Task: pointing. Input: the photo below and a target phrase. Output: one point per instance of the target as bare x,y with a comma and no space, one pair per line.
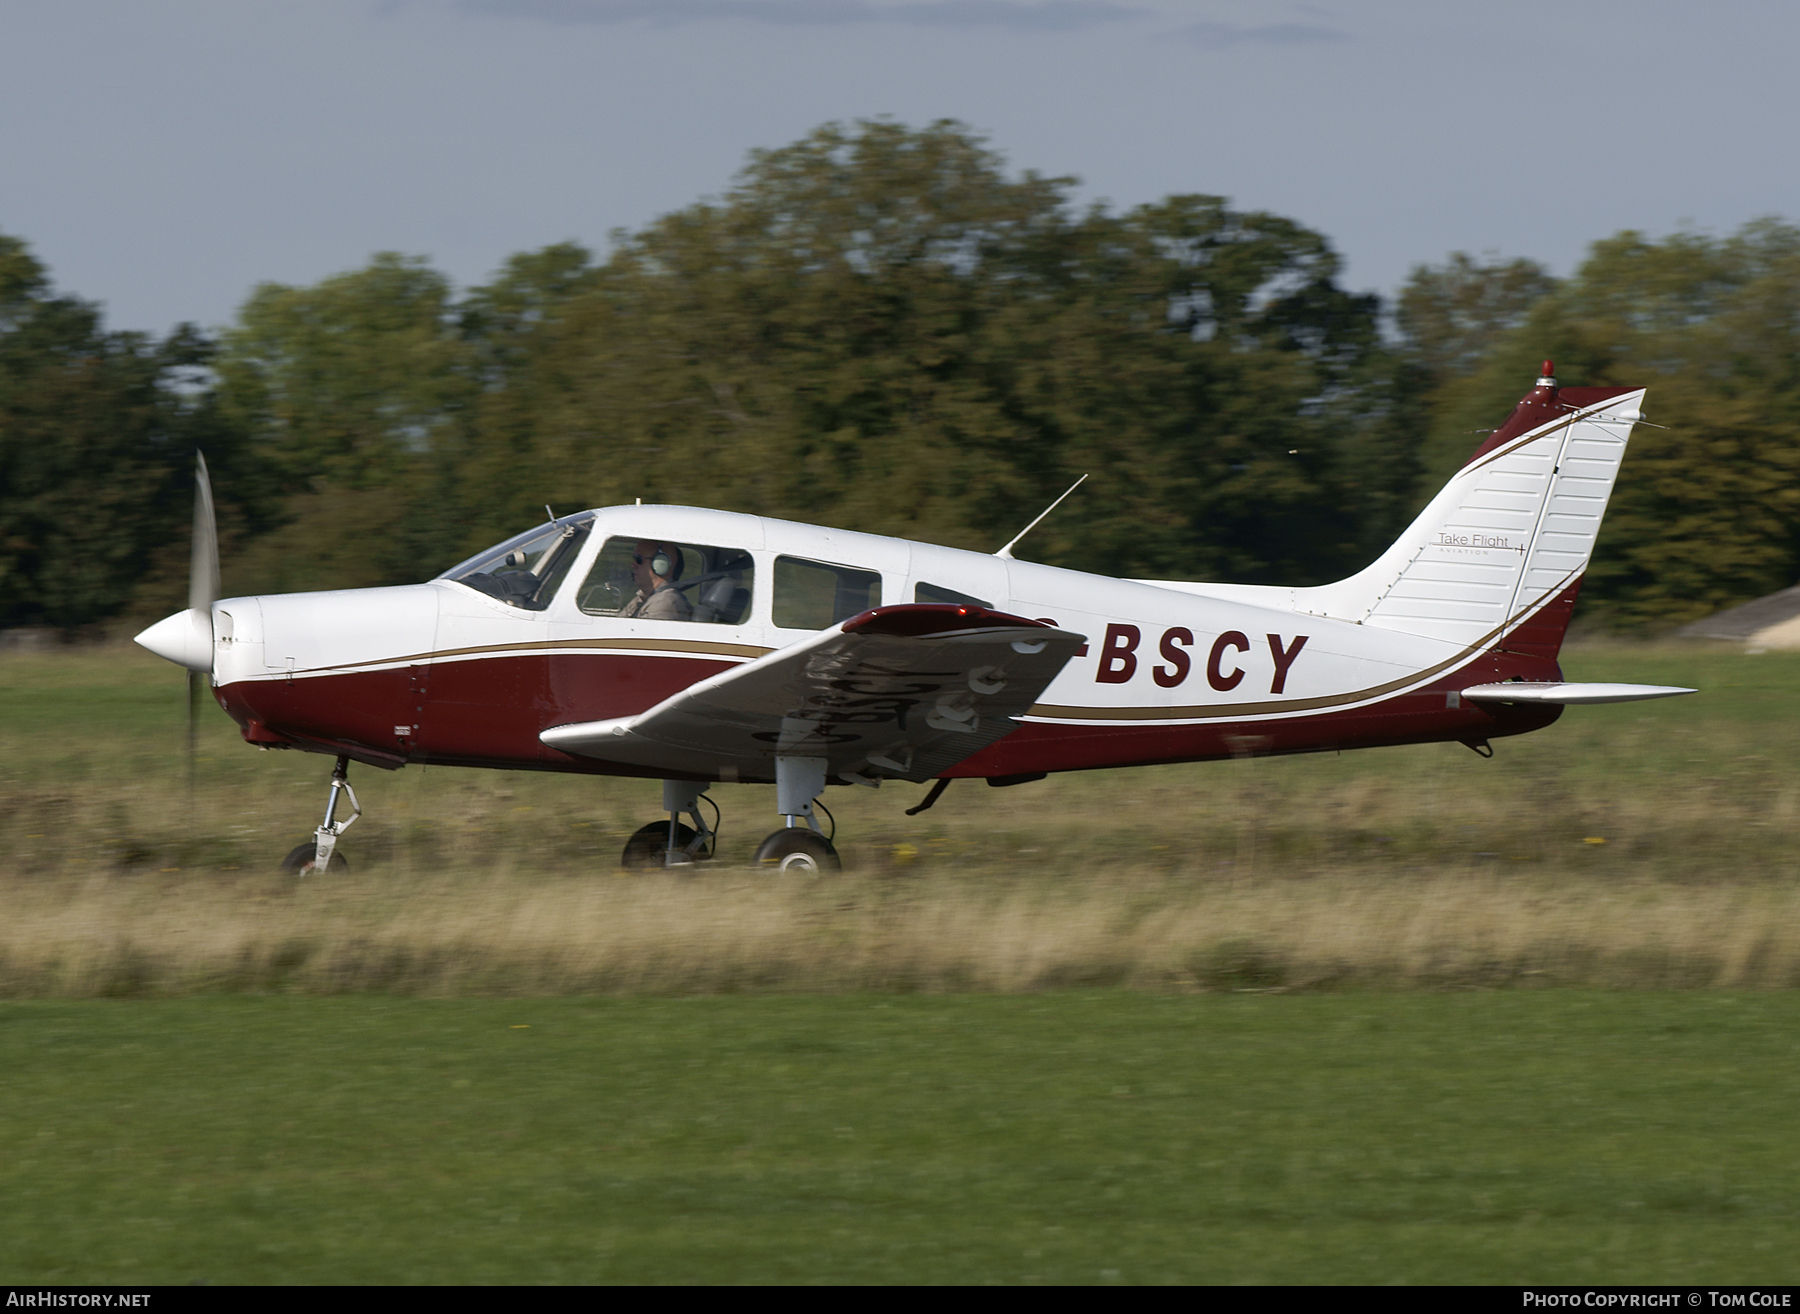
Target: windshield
526,570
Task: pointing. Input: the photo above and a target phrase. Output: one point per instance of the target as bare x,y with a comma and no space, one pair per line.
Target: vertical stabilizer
1497,557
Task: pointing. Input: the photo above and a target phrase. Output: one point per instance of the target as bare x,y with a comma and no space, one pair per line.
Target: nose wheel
304,860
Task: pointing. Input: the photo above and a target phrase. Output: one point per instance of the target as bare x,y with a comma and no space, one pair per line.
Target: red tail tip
1549,369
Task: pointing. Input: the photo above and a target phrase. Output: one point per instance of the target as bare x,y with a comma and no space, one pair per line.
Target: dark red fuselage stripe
473,713
489,713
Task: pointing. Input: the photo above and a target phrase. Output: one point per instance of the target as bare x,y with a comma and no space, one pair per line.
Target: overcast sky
165,156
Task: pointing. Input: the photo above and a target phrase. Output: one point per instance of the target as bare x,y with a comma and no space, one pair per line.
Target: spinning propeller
186,638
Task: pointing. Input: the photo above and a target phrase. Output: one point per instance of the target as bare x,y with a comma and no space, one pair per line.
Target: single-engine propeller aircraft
702,646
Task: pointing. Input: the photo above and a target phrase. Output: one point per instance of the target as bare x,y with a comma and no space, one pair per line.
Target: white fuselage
1159,660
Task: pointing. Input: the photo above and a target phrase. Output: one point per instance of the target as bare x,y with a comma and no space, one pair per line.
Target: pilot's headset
666,563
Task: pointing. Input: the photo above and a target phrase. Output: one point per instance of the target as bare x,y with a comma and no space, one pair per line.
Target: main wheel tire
302,861
798,850
649,846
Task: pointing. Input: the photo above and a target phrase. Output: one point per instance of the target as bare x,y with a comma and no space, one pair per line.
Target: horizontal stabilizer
1571,695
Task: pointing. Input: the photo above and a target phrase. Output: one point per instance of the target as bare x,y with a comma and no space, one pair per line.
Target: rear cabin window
646,579
923,592
811,595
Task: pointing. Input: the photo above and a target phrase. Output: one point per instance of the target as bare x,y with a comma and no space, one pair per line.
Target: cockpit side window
811,595
527,569
658,579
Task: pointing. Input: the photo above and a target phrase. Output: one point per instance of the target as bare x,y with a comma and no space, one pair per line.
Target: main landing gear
798,783
320,852
796,847
670,843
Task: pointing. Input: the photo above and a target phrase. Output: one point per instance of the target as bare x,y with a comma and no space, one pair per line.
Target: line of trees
879,328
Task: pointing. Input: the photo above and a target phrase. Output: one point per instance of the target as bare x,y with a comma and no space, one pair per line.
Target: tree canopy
1707,507
875,328
97,432
883,328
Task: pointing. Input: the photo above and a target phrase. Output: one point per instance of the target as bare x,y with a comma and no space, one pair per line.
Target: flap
903,692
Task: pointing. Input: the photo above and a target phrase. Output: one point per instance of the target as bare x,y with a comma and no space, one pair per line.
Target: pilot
654,568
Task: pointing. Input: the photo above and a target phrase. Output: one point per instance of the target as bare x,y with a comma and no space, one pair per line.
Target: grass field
1542,1136
1397,1016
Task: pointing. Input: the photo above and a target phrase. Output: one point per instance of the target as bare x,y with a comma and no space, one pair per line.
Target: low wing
1546,691
901,692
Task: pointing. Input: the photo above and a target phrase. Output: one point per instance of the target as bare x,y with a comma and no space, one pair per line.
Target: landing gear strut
798,782
670,843
320,852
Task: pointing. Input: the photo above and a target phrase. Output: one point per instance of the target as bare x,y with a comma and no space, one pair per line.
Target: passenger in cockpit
655,568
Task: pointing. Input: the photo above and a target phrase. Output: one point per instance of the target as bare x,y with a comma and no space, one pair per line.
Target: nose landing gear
320,852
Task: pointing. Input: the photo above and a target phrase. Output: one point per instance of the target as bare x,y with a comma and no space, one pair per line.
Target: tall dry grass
517,932
1651,846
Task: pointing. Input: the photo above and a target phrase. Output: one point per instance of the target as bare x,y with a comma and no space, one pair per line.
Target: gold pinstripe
629,645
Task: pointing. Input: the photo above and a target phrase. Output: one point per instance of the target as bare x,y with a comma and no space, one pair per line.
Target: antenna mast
1005,553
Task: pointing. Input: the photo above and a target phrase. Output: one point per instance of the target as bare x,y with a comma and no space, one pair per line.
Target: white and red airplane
704,646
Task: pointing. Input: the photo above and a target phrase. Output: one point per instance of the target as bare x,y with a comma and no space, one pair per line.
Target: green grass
1077,1137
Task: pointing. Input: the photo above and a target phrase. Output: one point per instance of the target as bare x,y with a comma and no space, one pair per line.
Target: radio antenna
1005,553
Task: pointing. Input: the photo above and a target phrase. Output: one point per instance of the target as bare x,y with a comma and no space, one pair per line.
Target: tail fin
1497,557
